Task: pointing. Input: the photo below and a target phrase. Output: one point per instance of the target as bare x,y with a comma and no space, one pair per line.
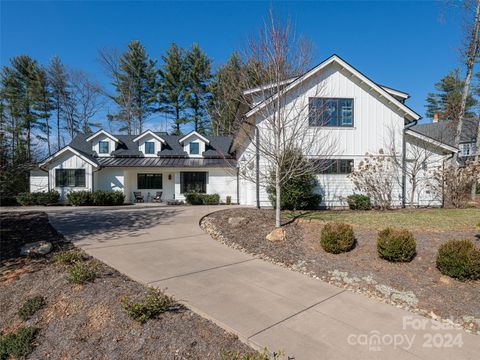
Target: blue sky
405,45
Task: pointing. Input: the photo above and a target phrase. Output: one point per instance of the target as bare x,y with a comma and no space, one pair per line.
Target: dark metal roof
444,131
216,154
165,162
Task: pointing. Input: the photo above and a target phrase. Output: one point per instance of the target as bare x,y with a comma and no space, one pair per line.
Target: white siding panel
38,181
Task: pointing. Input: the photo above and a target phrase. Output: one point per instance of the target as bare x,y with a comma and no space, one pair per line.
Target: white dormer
103,143
149,143
194,144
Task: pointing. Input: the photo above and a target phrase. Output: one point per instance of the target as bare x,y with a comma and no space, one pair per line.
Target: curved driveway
264,304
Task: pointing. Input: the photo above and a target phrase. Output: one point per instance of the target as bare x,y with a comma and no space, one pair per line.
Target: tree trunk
278,194
472,54
58,128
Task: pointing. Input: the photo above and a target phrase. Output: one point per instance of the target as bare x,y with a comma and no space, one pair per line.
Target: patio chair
158,197
137,195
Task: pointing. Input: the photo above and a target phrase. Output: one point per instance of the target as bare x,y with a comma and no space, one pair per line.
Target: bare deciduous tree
275,56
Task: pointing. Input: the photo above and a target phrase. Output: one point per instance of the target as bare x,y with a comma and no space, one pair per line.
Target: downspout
404,162
257,165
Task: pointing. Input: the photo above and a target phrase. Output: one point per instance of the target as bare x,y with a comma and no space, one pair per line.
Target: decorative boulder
38,248
236,221
277,234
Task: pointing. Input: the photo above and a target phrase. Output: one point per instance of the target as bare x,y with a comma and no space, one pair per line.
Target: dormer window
103,147
194,148
149,147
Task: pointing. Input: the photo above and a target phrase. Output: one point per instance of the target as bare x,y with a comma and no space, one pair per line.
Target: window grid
193,182
194,148
103,147
149,147
70,178
333,112
336,166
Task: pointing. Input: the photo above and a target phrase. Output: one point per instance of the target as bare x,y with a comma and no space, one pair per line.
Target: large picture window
103,147
193,182
69,177
330,112
149,147
336,166
149,181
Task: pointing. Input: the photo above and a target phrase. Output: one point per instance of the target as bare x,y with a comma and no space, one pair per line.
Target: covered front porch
173,183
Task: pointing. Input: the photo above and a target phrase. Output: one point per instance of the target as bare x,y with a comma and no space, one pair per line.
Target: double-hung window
193,182
149,147
334,112
69,177
103,147
149,181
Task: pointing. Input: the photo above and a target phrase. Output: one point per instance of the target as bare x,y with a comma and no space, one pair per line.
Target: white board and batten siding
38,180
69,160
376,123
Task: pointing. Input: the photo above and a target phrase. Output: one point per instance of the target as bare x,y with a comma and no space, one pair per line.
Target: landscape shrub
296,194
30,307
459,259
81,273
68,257
359,202
38,198
19,344
154,304
337,237
97,198
80,198
228,200
26,199
48,198
194,198
396,245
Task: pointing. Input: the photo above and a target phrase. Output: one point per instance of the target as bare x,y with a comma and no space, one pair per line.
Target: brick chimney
435,118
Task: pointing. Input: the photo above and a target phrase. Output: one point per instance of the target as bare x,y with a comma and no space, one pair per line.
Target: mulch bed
87,321
417,285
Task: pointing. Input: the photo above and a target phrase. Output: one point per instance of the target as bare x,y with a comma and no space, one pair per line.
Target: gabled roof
102,132
444,131
194,133
344,65
77,152
151,133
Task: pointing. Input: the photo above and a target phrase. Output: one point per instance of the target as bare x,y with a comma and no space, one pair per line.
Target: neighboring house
366,117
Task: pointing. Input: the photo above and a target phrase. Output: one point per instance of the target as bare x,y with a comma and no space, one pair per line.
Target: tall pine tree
172,86
59,82
446,101
135,85
198,78
43,105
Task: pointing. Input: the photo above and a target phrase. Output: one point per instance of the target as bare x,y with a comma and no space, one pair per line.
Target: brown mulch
445,297
87,321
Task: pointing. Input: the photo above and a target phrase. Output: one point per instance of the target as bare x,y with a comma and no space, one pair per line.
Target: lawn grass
413,219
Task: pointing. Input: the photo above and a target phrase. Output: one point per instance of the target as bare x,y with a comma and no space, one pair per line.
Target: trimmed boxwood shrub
396,245
359,202
194,198
80,198
38,198
459,259
337,237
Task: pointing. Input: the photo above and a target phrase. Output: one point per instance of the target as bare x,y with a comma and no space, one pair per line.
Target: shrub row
98,198
194,198
459,259
38,198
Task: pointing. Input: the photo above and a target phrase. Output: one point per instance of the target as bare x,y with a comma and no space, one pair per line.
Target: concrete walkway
264,304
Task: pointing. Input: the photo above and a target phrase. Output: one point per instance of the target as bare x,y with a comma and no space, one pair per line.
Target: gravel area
87,321
417,286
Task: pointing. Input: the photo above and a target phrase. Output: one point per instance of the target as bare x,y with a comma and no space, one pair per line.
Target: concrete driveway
264,304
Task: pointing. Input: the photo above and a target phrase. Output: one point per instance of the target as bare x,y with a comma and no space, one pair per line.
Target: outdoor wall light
169,176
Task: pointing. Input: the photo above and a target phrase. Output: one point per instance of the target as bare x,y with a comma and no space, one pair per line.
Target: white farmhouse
363,118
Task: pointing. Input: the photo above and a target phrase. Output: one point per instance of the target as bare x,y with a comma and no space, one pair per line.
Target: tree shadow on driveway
102,226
